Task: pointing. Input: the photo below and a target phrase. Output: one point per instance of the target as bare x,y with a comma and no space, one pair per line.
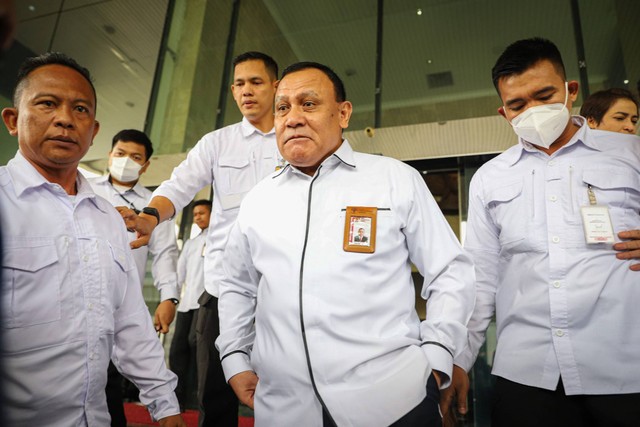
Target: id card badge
360,229
597,224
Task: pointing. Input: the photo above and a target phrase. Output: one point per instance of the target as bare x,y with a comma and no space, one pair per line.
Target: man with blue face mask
129,158
545,221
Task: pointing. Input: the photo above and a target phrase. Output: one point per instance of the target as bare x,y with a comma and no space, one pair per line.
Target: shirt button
552,162
559,333
553,198
90,306
556,284
85,258
90,356
555,239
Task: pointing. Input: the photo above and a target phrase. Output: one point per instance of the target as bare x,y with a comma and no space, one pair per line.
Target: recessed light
419,12
626,82
32,7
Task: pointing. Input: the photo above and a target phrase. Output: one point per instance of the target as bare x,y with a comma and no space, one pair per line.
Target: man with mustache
71,295
316,329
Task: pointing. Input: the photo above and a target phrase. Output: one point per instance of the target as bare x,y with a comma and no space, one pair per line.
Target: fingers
461,402
250,403
129,216
446,396
164,316
629,234
156,322
139,242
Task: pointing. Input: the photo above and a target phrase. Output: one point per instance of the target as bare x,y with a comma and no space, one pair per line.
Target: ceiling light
626,82
117,53
32,7
419,12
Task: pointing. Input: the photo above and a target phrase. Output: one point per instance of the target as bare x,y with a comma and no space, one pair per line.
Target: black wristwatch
174,301
153,212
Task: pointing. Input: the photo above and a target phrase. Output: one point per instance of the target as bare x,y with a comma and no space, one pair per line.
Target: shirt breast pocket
512,213
236,175
620,191
31,280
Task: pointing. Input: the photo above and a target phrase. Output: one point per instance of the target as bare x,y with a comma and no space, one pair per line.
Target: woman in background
614,109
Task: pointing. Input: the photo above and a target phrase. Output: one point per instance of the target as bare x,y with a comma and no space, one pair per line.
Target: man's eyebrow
301,95
544,90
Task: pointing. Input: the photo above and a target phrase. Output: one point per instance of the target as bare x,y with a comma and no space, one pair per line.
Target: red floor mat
138,416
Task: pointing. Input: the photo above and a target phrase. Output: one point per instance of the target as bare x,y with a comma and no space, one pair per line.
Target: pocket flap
505,193
29,258
610,179
121,258
234,162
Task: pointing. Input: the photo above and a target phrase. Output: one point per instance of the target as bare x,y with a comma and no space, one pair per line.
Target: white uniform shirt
232,159
190,271
563,308
285,267
70,301
162,245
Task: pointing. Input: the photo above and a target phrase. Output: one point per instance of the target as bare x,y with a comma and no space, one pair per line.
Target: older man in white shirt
316,328
71,296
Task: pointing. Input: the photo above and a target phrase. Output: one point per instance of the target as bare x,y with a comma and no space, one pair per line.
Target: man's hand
172,421
629,249
164,315
143,225
244,386
458,389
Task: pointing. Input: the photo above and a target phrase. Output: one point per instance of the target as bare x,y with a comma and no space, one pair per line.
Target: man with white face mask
545,221
129,158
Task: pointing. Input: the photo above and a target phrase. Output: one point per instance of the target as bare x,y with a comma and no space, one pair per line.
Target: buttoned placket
558,175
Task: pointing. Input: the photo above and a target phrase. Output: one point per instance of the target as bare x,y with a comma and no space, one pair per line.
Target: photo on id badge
360,229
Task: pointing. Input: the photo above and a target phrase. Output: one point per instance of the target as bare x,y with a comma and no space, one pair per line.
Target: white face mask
543,124
124,169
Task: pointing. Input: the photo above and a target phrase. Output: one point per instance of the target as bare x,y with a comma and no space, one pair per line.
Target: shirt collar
26,177
248,129
104,180
582,135
342,156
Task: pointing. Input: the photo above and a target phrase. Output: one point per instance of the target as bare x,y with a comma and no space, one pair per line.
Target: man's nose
64,117
295,118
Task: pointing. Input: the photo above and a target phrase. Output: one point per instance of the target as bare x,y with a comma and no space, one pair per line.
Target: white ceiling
118,40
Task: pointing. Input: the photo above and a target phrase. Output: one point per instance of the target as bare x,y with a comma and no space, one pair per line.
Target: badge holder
597,221
360,229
